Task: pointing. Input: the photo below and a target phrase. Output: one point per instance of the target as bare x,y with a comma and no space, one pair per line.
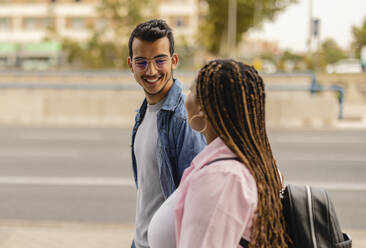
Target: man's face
152,67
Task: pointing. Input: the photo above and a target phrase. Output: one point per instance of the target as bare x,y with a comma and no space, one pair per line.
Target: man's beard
165,84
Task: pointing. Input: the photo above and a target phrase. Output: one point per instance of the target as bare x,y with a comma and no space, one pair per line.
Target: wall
116,107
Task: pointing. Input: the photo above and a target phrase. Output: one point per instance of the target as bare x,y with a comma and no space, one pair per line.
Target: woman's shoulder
221,179
230,169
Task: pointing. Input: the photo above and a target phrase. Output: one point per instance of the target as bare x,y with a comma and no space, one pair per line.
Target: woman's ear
201,113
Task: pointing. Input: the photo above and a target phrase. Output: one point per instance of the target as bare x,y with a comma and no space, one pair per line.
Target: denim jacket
177,143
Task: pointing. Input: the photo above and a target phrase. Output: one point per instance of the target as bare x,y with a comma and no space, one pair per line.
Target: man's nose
151,70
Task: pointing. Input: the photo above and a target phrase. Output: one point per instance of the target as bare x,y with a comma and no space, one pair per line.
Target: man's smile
152,80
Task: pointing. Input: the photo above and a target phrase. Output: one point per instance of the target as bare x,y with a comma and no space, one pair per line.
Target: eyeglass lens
159,63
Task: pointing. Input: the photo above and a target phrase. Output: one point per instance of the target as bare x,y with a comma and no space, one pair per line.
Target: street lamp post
310,26
232,19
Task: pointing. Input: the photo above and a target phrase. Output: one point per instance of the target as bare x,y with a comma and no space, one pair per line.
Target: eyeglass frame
151,60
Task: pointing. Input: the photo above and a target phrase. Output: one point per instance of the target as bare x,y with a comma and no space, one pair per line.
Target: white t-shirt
161,232
149,193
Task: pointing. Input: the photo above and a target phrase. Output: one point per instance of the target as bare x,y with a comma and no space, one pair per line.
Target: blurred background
68,100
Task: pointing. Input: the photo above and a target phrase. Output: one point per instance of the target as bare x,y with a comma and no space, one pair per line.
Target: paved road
84,175
333,159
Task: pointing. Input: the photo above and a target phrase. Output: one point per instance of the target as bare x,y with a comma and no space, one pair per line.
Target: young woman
231,190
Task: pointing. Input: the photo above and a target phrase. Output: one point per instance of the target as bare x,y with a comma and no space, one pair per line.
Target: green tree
289,55
359,38
290,59
331,52
107,46
250,13
269,56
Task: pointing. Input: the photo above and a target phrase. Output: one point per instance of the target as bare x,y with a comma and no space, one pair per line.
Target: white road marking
338,186
319,139
129,182
67,181
330,158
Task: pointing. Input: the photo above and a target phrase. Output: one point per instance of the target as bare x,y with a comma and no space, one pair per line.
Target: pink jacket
216,203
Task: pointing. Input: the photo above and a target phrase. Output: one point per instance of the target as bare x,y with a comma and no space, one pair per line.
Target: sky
291,27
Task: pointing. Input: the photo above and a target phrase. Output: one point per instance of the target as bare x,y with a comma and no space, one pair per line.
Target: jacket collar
171,100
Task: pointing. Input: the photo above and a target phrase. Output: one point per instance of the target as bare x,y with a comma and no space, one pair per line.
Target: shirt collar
216,149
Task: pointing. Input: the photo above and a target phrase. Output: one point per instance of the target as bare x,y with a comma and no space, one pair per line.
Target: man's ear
174,60
129,62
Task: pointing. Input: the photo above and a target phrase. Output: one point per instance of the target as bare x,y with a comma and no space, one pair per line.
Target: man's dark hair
151,31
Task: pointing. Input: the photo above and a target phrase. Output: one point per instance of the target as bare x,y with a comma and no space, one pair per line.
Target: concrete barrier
117,107
68,107
110,106
301,109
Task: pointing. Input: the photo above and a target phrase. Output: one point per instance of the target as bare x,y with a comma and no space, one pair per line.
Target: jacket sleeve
217,210
188,144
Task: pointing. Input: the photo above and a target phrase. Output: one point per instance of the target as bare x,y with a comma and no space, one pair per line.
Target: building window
30,23
33,23
4,23
179,21
44,23
76,23
101,24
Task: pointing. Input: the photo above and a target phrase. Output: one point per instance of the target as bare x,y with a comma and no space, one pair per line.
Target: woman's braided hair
233,98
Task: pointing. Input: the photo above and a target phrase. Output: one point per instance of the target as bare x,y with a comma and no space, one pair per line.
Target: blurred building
251,49
25,25
182,16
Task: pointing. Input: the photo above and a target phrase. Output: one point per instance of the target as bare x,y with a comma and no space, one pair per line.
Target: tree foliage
331,52
290,61
289,55
250,13
107,46
359,38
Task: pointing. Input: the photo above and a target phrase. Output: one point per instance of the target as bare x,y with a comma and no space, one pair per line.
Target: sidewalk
28,234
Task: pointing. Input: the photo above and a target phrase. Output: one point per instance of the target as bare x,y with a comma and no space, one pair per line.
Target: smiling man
163,144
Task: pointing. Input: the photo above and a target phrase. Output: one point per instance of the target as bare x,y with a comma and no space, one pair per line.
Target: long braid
233,98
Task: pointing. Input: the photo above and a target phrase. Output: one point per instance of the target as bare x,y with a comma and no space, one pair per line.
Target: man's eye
141,62
160,61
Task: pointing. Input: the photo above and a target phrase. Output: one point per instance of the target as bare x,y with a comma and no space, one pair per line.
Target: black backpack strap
220,159
243,243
